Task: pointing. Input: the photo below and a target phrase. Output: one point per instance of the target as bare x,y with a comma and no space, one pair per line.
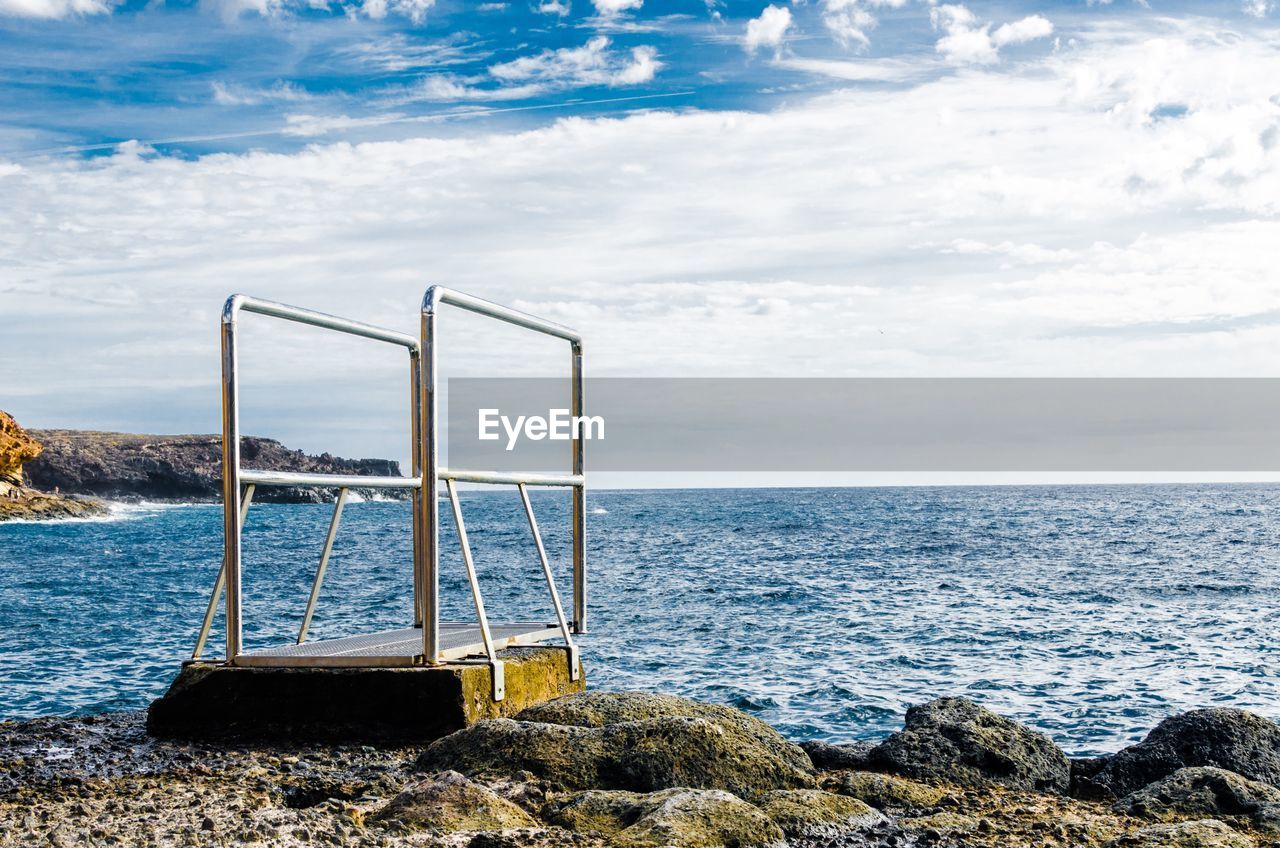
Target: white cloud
54,9
768,30
848,21
1030,220
1257,8
1026,29
225,94
591,64
966,42
866,70
447,88
414,10
614,7
553,7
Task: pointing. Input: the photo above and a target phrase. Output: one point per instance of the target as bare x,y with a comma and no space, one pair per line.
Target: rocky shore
635,770
129,466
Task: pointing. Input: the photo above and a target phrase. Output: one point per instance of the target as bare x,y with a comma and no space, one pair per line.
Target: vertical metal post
429,577
231,475
221,582
579,501
415,497
324,563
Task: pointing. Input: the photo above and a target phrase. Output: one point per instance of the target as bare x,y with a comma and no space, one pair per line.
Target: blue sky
242,74
828,188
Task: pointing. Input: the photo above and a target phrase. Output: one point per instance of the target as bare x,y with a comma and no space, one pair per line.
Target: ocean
1088,612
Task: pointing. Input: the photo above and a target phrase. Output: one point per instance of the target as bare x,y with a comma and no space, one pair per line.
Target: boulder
811,813
1206,833
570,757
17,448
955,740
689,818
1224,738
1207,792
448,802
828,757
700,753
642,756
599,709
883,791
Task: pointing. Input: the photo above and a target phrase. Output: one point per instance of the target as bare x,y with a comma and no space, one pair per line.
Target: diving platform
399,648
249,684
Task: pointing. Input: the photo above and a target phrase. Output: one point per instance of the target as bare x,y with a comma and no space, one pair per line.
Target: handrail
426,476
232,473
297,314
333,481
480,306
511,478
432,473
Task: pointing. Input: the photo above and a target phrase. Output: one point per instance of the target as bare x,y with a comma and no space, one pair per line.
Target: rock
1206,833
569,757
689,818
828,757
1225,738
29,505
641,756
1084,770
883,791
126,465
599,709
604,811
945,823
17,448
954,739
811,813
449,802
1203,791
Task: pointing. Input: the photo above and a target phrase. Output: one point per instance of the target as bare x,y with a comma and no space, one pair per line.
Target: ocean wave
116,511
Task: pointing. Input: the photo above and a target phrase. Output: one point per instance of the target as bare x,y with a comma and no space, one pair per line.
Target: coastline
630,769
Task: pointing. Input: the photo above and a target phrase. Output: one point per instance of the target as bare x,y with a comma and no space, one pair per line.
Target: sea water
1088,612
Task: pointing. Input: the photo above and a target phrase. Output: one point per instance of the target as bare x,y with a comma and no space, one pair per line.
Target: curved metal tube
439,294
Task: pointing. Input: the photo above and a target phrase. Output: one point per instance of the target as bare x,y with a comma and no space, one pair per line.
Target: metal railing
432,473
427,475
236,503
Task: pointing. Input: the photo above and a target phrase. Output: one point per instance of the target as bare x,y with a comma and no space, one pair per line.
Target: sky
825,188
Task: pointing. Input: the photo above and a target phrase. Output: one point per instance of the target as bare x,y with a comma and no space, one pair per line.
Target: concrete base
210,700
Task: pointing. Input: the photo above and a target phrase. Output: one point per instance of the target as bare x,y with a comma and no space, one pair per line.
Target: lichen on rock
1205,791
955,740
689,818
1205,833
713,751
599,709
883,791
811,813
449,802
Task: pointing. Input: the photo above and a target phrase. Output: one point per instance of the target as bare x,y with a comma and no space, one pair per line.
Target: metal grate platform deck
398,647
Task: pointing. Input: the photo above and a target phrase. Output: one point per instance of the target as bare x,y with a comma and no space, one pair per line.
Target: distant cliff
18,501
189,468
